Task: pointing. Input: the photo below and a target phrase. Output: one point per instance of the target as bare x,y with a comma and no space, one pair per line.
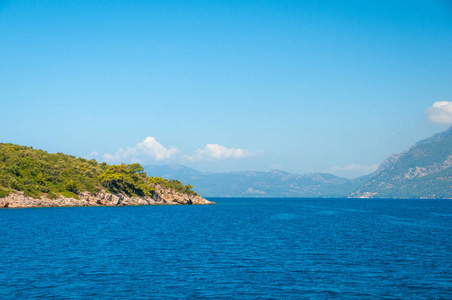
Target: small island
36,178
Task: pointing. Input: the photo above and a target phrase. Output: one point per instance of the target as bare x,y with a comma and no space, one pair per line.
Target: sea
240,248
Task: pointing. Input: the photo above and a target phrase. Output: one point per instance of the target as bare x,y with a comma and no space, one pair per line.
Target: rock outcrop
161,196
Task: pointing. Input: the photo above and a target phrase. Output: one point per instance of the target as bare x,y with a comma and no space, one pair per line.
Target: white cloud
151,151
440,112
354,170
147,151
151,147
92,155
218,152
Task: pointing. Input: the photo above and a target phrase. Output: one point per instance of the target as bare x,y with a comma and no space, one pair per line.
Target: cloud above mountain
219,152
440,112
150,151
146,151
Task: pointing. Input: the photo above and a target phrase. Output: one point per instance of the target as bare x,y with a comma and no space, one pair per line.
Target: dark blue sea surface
239,248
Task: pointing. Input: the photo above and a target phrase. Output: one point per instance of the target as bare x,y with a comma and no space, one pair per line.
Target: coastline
161,196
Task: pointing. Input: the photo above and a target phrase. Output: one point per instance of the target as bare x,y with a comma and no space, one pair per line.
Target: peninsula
36,178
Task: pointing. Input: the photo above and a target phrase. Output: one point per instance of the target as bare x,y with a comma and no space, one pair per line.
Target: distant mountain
275,183
424,170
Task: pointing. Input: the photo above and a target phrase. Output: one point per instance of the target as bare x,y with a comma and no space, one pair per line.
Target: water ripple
258,248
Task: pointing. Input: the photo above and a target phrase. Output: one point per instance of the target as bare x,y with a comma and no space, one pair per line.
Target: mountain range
424,170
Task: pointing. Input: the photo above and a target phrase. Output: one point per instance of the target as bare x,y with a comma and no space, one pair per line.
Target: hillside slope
30,177
424,170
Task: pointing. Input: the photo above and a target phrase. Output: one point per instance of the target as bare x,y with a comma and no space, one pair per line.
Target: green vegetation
3,193
175,185
36,172
129,179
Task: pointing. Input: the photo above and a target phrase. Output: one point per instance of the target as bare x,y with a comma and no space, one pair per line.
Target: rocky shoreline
161,196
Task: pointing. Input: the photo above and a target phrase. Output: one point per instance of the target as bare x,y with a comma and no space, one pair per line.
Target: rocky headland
35,178
161,196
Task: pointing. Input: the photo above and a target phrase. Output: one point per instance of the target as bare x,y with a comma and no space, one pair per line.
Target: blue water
239,248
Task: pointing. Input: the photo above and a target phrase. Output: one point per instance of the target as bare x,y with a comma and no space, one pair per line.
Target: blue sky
302,86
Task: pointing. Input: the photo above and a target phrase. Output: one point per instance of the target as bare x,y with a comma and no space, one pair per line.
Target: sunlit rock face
161,196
